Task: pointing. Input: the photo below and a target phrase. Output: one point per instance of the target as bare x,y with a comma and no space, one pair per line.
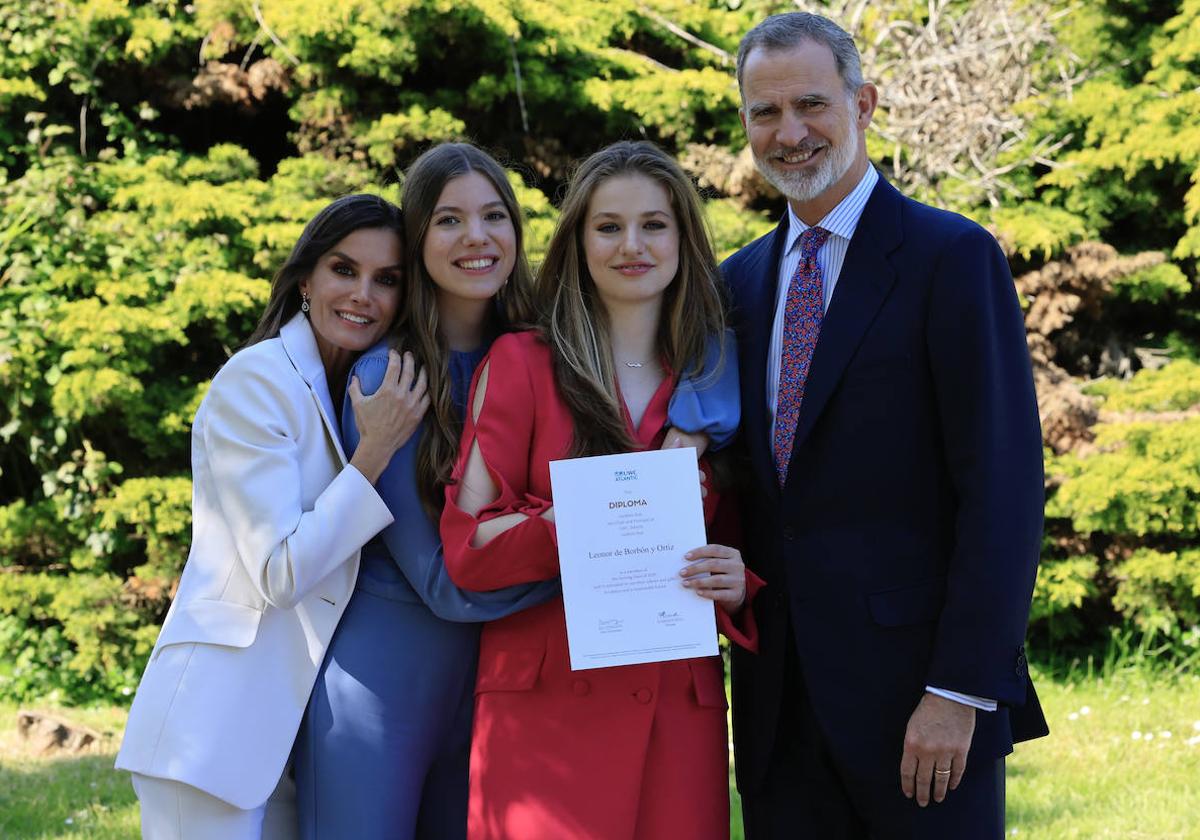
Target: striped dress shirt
841,222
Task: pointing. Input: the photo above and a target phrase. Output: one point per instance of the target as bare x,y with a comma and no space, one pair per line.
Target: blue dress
383,749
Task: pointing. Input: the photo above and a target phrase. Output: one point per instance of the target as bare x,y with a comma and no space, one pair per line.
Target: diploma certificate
623,524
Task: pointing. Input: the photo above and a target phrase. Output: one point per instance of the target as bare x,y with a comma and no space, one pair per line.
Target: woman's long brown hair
577,326
331,225
417,328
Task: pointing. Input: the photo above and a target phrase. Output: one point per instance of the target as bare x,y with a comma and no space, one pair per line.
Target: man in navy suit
896,513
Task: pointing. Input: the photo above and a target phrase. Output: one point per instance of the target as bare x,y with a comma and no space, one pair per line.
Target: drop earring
304,307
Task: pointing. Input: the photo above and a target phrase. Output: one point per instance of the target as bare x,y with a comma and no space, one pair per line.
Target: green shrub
158,160
1124,517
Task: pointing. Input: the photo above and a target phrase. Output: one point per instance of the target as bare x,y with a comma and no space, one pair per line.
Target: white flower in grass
69,821
1166,733
1145,701
1086,710
1193,741
1073,716
1137,736
1149,736
1196,725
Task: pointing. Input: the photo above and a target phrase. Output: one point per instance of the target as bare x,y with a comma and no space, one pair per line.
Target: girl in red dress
632,295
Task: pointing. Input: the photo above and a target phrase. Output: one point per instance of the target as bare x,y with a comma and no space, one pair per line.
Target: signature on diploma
668,618
612,625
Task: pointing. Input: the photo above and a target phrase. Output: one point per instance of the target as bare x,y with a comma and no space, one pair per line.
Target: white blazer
277,523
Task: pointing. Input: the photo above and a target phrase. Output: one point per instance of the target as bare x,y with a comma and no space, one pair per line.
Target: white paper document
624,523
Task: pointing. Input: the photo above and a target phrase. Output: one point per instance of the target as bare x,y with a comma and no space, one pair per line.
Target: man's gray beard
803,186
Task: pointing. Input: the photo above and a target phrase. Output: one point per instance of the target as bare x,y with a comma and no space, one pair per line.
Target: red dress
626,753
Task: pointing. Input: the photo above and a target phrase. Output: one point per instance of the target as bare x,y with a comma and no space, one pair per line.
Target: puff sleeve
710,402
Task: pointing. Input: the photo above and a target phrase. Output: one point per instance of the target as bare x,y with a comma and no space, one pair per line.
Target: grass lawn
1123,761
79,796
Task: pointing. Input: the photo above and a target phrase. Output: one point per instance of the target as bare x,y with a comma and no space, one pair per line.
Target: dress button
789,533
643,695
580,688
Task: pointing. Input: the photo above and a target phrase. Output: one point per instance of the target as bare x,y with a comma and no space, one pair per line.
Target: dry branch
949,87
680,32
1058,293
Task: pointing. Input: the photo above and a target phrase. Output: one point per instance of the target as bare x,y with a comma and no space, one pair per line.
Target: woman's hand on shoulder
677,439
716,572
387,418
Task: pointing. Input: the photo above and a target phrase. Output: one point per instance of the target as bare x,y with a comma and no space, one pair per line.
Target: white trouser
174,811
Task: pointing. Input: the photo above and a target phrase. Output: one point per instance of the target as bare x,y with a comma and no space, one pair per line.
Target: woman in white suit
279,515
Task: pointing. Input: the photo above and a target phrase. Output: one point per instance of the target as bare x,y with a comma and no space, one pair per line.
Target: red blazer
558,753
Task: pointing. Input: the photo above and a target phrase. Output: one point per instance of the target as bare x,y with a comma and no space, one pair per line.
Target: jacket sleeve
725,528
992,444
252,452
742,629
412,539
710,402
504,431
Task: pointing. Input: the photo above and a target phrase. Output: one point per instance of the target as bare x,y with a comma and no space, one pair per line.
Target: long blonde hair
576,324
418,328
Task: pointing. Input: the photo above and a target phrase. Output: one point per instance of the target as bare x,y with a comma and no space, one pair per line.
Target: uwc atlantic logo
625,475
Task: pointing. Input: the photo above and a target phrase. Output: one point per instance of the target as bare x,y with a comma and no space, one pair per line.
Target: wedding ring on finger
941,772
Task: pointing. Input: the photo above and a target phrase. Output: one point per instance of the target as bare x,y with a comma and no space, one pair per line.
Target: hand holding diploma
716,572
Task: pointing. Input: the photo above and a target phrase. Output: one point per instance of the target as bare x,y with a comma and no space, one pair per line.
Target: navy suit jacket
904,546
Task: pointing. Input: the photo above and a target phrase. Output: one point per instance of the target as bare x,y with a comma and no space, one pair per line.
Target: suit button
580,688
789,533
643,695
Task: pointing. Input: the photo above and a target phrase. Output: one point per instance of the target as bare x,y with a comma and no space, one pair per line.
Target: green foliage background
158,159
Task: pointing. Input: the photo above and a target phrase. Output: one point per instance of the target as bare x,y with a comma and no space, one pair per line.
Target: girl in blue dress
386,737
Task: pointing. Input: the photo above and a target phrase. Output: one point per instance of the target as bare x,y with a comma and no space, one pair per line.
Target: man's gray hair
782,32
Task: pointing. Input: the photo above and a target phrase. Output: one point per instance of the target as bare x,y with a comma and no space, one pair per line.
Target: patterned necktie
802,315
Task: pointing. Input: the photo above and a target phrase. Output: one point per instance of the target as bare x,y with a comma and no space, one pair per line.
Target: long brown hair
577,327
418,329
331,225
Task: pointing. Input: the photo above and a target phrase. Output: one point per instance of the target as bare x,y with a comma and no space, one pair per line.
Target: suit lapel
863,285
760,282
301,347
